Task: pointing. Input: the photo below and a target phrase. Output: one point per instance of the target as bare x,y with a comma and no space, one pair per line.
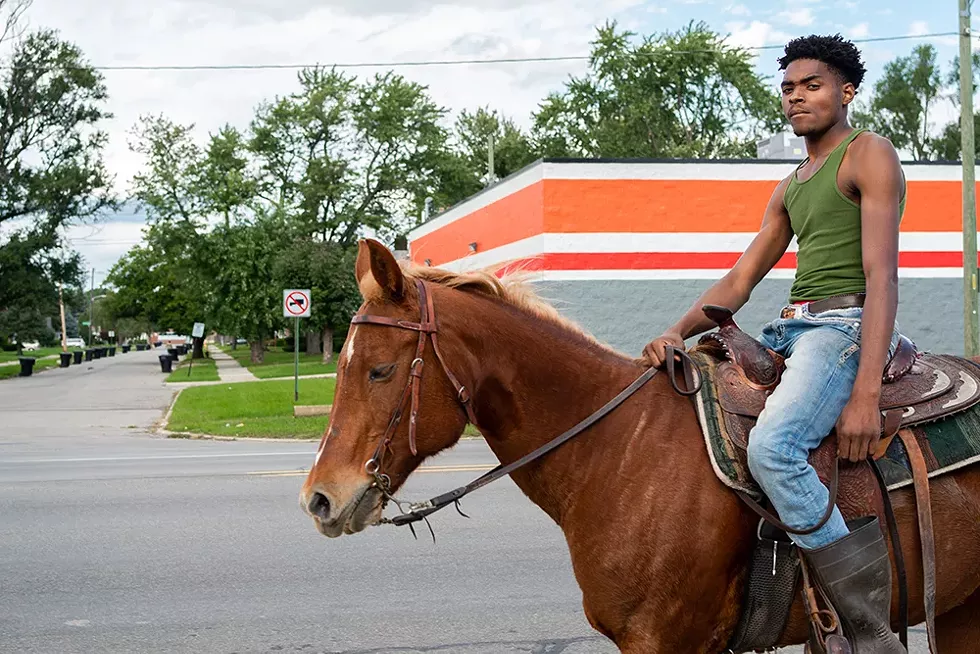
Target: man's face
813,96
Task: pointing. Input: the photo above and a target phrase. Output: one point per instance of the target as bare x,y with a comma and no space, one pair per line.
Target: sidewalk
230,370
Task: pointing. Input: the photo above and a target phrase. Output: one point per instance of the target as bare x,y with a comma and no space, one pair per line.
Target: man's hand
858,429
655,351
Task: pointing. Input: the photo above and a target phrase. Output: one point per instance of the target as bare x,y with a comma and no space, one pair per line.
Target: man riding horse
843,203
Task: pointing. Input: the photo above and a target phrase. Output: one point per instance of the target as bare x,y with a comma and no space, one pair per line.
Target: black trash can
173,353
26,366
89,354
97,353
105,351
166,363
125,349
181,350
112,351
65,359
78,356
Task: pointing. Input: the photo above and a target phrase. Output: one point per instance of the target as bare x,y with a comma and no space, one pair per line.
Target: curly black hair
840,55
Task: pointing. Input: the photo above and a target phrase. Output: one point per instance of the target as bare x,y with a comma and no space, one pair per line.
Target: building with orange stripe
625,247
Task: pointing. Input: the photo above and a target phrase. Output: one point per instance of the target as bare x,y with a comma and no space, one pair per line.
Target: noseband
426,327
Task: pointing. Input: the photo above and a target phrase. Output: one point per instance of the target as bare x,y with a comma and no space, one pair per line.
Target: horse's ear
377,271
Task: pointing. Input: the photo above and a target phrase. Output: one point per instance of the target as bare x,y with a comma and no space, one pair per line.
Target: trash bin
125,349
26,366
181,350
173,353
78,356
166,363
89,353
65,359
97,353
112,351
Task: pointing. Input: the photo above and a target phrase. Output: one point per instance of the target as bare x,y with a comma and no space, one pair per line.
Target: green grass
277,363
37,354
251,409
7,372
202,370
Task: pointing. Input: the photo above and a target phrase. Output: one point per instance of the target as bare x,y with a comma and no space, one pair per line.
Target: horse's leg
958,631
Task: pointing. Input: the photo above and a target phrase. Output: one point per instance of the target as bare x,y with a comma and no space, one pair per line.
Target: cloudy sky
285,32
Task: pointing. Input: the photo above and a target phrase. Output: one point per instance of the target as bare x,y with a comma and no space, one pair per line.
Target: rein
427,327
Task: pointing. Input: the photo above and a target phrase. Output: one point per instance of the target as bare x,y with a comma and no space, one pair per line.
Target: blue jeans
822,354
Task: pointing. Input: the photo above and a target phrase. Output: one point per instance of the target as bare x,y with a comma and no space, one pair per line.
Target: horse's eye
381,373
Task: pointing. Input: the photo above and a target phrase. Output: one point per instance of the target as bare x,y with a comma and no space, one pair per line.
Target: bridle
427,327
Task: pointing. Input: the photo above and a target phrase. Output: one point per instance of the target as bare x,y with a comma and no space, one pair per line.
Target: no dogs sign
296,303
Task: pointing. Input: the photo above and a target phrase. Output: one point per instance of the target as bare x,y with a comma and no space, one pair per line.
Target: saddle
916,387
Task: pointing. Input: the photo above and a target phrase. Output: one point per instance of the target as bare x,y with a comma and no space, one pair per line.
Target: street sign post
196,333
296,304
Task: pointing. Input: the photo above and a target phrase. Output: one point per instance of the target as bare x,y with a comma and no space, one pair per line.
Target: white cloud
120,32
738,10
918,28
754,34
798,17
859,31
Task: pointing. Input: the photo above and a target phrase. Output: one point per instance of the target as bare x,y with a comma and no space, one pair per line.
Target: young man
844,204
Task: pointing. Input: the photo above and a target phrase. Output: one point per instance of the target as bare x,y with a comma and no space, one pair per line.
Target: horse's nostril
320,506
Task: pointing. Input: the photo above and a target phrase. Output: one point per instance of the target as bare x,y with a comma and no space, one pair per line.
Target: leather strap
923,506
779,524
424,509
893,534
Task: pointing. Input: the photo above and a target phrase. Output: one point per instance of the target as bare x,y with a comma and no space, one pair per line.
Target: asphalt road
115,540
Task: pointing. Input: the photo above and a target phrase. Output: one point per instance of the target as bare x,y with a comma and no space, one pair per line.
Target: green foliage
899,109
647,100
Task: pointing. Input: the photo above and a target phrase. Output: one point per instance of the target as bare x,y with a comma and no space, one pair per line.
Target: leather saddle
916,388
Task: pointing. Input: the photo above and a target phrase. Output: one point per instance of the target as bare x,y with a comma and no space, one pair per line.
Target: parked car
75,342
29,346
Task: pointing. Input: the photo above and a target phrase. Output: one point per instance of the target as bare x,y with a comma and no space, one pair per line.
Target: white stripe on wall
613,242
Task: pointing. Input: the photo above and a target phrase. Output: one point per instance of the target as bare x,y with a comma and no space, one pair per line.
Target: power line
464,62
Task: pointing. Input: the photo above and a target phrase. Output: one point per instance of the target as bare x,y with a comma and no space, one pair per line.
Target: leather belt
850,301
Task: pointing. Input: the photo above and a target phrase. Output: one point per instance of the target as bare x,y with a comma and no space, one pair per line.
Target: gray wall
629,314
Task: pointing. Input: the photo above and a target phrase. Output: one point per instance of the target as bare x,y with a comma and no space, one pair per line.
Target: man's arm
878,178
733,290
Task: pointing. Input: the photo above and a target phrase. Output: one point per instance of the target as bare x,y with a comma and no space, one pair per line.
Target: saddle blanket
948,444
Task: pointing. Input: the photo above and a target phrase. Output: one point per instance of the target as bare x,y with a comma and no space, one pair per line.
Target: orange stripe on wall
569,206
509,219
708,206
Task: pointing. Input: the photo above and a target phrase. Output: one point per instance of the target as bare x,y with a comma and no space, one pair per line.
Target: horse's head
389,375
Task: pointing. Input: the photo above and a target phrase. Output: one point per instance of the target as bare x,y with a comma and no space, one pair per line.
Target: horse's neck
537,380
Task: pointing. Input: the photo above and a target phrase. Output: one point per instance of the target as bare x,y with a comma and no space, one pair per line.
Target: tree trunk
312,342
198,348
258,350
327,345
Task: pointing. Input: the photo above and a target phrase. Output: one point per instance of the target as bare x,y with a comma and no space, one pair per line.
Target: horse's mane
513,289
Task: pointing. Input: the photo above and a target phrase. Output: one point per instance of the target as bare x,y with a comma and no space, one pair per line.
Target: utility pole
91,322
971,322
490,167
61,305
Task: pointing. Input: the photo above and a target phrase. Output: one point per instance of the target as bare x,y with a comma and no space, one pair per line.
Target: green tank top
827,225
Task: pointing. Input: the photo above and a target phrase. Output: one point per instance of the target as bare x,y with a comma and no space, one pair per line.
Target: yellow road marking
465,467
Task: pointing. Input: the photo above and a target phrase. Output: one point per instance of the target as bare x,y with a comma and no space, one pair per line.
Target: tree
681,94
242,259
340,156
51,169
902,100
946,146
224,184
462,169
327,269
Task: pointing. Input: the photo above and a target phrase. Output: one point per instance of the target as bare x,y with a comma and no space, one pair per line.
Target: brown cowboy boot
855,575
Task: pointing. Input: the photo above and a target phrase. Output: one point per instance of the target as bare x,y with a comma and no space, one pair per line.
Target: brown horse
658,545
